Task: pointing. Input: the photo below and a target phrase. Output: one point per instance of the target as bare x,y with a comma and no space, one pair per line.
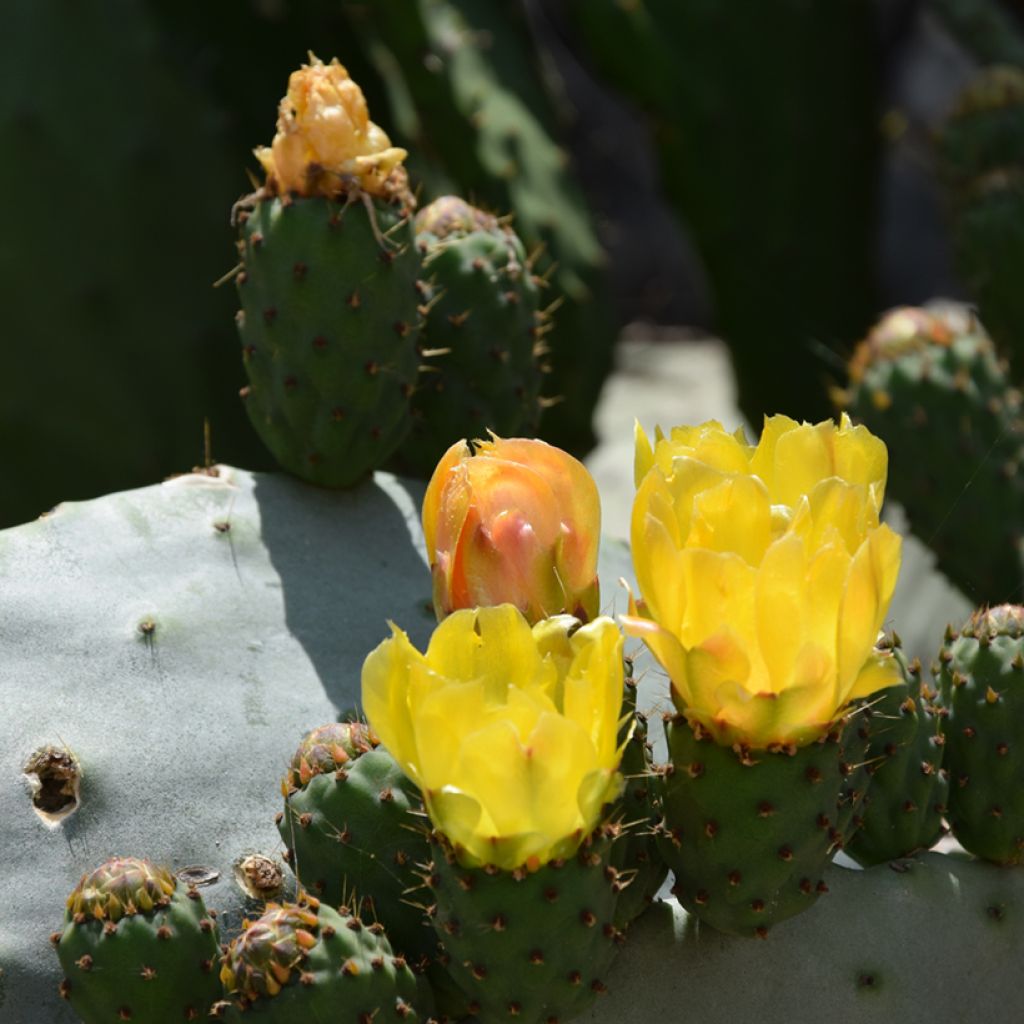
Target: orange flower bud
513,521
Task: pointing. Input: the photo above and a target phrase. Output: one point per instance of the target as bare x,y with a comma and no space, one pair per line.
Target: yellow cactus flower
513,520
510,732
325,140
765,574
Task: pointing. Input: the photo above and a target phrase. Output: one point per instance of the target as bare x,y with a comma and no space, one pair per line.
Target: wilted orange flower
325,139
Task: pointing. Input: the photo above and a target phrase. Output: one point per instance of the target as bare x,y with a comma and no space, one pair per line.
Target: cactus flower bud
325,139
510,733
765,574
513,520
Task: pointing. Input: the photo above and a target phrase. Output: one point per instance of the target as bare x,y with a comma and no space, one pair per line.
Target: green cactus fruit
929,383
305,961
137,944
907,786
635,855
481,339
981,691
353,832
749,833
981,159
328,326
530,944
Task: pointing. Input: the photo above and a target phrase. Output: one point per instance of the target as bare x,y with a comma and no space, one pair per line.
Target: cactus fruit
981,690
328,286
981,159
907,786
352,833
481,339
137,944
748,834
305,961
529,944
929,383
635,855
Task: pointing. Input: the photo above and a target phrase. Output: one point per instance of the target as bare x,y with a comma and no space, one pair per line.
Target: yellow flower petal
879,672
384,696
494,645
765,573
504,727
643,457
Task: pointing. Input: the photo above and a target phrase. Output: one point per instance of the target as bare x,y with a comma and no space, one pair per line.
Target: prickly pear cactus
353,826
137,944
907,786
481,338
534,945
306,961
854,957
981,689
328,324
467,94
237,600
928,381
328,283
735,827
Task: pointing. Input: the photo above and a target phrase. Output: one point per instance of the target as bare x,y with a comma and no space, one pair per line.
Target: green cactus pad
748,835
929,383
907,786
635,855
535,945
981,690
328,326
355,833
479,344
137,945
306,961
934,938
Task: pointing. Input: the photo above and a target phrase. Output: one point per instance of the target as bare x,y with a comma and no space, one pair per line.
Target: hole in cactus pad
54,778
259,877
